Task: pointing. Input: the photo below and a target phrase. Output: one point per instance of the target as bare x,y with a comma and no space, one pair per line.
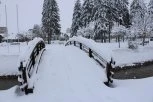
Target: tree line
103,15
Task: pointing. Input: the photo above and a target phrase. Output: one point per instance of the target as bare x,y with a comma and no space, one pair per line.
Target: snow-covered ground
123,55
67,74
9,57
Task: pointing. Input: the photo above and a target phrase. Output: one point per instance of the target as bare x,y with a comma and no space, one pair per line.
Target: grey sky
30,13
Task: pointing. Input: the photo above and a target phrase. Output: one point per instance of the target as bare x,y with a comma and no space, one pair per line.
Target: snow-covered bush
87,32
119,30
132,45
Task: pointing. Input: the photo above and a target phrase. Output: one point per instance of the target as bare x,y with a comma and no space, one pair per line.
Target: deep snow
123,55
67,74
9,55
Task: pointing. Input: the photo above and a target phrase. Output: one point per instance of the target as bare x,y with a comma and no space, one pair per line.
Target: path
67,74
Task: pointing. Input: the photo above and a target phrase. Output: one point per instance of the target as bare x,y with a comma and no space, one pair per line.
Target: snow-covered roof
69,34
11,36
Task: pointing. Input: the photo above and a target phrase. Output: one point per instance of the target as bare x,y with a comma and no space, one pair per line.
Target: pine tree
137,12
100,19
50,19
87,12
105,14
139,18
150,11
124,13
37,31
76,20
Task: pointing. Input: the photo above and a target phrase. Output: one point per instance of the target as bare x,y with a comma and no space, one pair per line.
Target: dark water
136,73
7,83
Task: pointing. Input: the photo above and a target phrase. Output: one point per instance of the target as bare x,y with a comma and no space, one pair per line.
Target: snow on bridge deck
67,74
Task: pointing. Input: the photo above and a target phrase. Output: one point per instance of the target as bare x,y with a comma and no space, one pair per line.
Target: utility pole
0,14
17,18
17,24
6,27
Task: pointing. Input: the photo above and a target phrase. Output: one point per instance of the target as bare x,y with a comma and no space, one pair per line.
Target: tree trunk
144,39
123,38
119,41
109,33
49,37
104,37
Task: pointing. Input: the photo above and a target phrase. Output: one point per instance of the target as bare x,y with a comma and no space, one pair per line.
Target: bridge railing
91,52
28,67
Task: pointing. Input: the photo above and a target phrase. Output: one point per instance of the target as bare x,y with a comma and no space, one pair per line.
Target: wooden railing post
37,48
25,71
33,59
90,53
74,43
21,74
70,42
81,46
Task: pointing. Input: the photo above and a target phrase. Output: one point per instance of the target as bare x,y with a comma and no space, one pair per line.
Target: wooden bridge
28,68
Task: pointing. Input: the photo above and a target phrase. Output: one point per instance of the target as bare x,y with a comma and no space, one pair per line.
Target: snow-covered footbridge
62,73
64,65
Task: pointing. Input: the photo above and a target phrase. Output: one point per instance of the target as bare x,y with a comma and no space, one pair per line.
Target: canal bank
7,82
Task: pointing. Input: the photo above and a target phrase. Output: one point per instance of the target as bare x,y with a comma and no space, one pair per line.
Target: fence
91,53
29,68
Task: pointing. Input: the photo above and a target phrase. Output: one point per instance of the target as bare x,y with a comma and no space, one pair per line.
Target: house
3,31
1,37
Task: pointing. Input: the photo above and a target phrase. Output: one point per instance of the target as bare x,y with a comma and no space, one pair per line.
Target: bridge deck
67,74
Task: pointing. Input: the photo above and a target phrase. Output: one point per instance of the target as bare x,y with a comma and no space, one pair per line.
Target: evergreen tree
87,12
137,12
150,11
100,19
105,14
37,31
76,21
50,19
139,19
124,13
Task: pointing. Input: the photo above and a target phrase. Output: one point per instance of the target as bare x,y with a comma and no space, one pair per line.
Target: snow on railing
28,64
89,46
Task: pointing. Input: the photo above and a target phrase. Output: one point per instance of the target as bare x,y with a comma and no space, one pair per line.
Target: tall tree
87,12
139,17
37,31
105,14
50,19
137,12
123,12
150,11
76,20
100,19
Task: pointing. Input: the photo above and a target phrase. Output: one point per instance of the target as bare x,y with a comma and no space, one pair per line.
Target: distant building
63,37
3,31
68,30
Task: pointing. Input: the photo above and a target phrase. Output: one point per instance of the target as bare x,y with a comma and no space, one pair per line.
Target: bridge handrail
92,52
28,64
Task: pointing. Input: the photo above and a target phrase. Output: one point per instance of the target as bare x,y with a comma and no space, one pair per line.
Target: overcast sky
30,13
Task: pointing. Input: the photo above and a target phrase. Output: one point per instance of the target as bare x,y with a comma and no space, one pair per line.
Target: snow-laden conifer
76,22
50,19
